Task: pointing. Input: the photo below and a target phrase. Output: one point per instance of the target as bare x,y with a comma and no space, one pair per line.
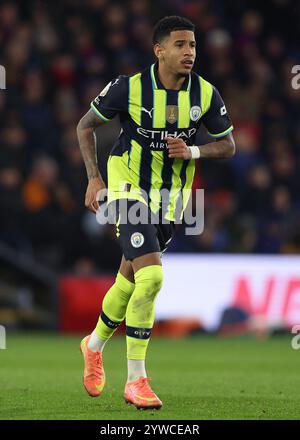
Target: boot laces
95,358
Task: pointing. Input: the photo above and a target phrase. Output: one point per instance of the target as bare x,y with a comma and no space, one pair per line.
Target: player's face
178,52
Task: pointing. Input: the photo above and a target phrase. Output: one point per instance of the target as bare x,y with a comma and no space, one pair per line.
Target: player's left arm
219,126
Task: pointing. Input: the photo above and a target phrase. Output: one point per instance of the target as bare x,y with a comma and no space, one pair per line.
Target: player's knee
157,278
116,299
151,277
124,284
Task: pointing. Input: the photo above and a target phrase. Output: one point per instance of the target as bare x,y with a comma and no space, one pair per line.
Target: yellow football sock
140,310
114,307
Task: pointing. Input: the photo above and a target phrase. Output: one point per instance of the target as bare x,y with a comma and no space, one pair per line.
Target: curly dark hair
166,25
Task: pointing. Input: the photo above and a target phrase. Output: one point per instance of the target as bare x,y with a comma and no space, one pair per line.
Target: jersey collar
156,83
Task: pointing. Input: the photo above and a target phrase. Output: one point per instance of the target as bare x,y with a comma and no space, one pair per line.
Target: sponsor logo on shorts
137,239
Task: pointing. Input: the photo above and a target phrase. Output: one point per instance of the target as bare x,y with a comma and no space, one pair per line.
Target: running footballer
160,109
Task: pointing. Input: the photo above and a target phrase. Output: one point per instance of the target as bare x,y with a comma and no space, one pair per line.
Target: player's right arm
112,100
87,142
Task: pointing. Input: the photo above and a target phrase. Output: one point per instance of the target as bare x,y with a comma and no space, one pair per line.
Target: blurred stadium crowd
59,55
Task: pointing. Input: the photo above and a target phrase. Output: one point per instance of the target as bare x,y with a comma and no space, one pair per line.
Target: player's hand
92,195
177,148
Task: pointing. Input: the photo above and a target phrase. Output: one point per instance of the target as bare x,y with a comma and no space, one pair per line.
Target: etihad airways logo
158,136
161,134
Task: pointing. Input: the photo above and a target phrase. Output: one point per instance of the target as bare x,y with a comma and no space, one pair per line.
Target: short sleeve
216,119
112,100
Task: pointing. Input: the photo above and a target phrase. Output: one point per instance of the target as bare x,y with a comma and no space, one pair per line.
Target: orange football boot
140,394
93,375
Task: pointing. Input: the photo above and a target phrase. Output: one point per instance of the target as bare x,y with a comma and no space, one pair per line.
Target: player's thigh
126,269
150,259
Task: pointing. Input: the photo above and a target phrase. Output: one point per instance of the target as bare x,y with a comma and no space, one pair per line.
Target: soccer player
160,109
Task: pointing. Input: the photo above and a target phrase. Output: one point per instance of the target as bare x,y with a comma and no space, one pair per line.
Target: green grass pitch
197,378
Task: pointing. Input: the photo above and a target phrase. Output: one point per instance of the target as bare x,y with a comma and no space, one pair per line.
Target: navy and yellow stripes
183,109
154,171
159,108
135,98
206,91
155,112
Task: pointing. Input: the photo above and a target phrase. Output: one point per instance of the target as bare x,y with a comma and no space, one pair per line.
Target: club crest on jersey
195,113
137,239
171,113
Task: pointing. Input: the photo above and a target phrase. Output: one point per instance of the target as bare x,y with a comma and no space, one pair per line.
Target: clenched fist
177,148
92,194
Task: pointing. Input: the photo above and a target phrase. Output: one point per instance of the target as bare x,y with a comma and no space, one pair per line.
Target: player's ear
158,50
